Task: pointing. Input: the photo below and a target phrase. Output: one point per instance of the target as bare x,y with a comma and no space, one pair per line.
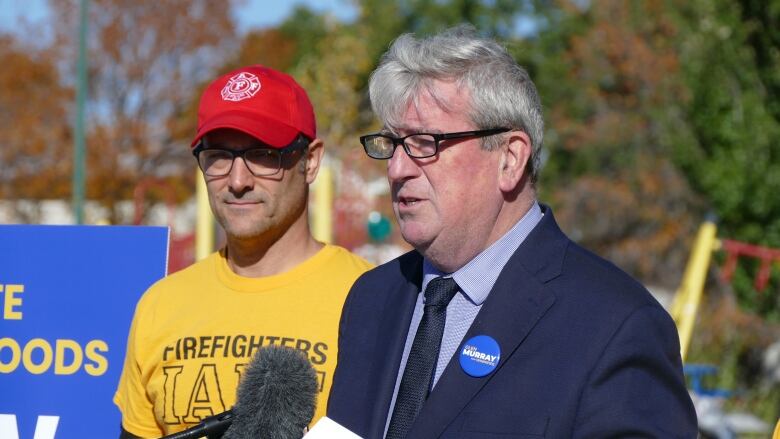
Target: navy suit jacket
586,351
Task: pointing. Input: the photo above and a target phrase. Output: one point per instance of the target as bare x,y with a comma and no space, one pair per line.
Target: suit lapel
518,300
393,330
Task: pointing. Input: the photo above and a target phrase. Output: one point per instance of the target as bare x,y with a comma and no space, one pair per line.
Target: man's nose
400,166
240,177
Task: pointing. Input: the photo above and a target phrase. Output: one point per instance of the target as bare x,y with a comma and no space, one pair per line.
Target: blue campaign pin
480,355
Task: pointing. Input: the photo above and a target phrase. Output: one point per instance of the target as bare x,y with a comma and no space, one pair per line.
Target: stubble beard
249,225
246,230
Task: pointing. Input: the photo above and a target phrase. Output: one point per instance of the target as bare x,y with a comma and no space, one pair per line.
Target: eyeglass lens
418,145
260,161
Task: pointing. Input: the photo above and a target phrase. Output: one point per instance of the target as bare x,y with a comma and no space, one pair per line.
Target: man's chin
244,232
417,237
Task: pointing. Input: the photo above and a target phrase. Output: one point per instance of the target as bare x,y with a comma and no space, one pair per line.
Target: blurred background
661,115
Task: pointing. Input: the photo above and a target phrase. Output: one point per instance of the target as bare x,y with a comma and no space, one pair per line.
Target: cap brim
268,131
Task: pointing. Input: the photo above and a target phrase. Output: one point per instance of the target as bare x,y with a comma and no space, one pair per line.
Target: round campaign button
480,355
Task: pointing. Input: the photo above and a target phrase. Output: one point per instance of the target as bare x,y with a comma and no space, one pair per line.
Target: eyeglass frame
437,138
301,142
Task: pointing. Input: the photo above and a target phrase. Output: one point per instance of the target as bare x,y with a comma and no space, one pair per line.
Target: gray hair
502,93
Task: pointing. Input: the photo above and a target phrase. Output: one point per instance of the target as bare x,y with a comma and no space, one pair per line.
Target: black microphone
275,399
211,427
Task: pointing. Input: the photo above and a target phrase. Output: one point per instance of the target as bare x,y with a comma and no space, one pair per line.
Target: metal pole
686,301
322,214
204,229
81,97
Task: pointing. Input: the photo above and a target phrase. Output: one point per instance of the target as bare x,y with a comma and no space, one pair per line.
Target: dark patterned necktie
418,374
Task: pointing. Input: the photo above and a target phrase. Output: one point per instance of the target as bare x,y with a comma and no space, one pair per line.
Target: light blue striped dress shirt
475,280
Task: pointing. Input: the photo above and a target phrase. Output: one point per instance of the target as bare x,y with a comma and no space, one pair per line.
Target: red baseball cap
259,101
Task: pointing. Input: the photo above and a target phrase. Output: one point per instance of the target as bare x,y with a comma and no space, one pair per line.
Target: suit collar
543,252
396,318
477,277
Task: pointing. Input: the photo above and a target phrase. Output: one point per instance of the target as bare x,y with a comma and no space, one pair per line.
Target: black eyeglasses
261,161
418,145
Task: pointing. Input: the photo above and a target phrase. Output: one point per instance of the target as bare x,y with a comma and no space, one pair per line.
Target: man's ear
515,155
314,160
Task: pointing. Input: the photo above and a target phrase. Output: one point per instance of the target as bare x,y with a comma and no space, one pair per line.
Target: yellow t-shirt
195,330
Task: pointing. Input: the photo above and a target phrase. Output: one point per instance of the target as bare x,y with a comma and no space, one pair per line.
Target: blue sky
253,13
262,13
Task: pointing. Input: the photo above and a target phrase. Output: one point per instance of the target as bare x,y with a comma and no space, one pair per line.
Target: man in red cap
272,284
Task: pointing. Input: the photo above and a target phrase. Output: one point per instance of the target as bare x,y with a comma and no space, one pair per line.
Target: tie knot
439,291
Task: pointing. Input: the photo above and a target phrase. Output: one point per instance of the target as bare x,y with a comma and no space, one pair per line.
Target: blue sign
67,296
480,355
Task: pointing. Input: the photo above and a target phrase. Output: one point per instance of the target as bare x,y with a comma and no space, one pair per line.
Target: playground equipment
686,300
713,420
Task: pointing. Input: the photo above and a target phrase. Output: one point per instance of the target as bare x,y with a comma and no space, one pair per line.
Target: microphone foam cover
276,397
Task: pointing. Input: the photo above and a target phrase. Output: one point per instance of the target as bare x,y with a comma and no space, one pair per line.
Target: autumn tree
668,109
146,62
725,131
34,131
725,135
605,72
658,112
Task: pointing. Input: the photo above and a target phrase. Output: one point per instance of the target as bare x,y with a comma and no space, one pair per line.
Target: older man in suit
496,325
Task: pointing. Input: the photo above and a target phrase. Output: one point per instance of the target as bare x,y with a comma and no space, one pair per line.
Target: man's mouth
408,201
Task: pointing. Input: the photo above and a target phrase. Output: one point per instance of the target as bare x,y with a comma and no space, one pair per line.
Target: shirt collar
478,276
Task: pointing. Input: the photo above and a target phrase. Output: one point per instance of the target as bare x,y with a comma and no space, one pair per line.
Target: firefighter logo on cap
241,86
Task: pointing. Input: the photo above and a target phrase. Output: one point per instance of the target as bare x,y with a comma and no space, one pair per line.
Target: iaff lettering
67,356
239,346
471,351
189,399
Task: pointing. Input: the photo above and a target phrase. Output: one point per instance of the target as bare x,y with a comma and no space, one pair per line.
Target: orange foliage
147,60
628,202
35,156
625,63
269,47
